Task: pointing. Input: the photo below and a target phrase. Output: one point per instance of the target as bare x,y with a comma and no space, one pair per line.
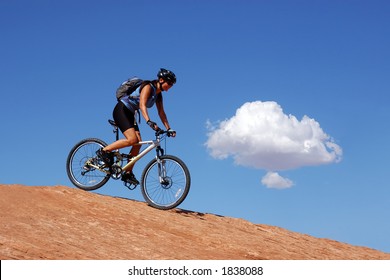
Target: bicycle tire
170,194
79,174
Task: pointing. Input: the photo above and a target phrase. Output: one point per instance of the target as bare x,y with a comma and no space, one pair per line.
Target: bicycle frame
152,145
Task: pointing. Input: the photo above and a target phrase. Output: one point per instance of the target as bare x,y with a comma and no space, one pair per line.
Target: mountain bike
165,181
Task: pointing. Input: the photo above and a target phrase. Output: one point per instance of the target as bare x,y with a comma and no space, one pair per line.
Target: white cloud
261,136
274,181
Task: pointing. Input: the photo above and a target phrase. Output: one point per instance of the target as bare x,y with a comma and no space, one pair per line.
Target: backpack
128,87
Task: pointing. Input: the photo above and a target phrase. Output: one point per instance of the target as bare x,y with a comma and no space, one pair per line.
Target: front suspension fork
162,172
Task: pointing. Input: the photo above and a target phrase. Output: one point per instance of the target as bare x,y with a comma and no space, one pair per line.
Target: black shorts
124,118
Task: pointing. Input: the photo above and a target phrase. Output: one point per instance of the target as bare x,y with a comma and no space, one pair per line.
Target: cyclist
144,97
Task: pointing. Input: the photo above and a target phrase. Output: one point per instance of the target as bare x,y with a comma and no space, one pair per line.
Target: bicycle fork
162,170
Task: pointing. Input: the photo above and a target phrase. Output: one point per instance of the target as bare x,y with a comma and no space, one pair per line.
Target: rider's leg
125,120
129,176
131,137
127,124
135,149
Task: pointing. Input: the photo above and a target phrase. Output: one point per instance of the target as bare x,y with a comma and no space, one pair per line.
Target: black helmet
167,75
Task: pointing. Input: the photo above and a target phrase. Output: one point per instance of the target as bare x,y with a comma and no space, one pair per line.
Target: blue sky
310,156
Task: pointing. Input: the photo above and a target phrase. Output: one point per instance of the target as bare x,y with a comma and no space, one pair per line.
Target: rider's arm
161,112
144,96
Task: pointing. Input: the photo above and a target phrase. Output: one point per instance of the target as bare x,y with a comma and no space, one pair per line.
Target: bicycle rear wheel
80,162
166,184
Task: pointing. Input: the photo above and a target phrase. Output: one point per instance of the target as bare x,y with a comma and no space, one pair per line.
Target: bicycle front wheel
166,182
81,165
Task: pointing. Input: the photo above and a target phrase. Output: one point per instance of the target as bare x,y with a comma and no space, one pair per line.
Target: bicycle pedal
87,168
129,185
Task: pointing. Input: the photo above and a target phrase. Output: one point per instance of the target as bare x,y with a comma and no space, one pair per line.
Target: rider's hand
153,125
171,133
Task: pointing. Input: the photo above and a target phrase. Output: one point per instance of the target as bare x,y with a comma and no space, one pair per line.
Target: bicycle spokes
83,168
165,182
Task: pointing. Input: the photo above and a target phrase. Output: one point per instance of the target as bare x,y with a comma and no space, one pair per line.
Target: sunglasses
169,83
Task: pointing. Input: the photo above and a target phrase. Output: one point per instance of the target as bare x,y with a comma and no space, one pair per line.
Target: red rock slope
63,223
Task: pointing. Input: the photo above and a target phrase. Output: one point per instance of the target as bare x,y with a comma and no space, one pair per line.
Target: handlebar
162,132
